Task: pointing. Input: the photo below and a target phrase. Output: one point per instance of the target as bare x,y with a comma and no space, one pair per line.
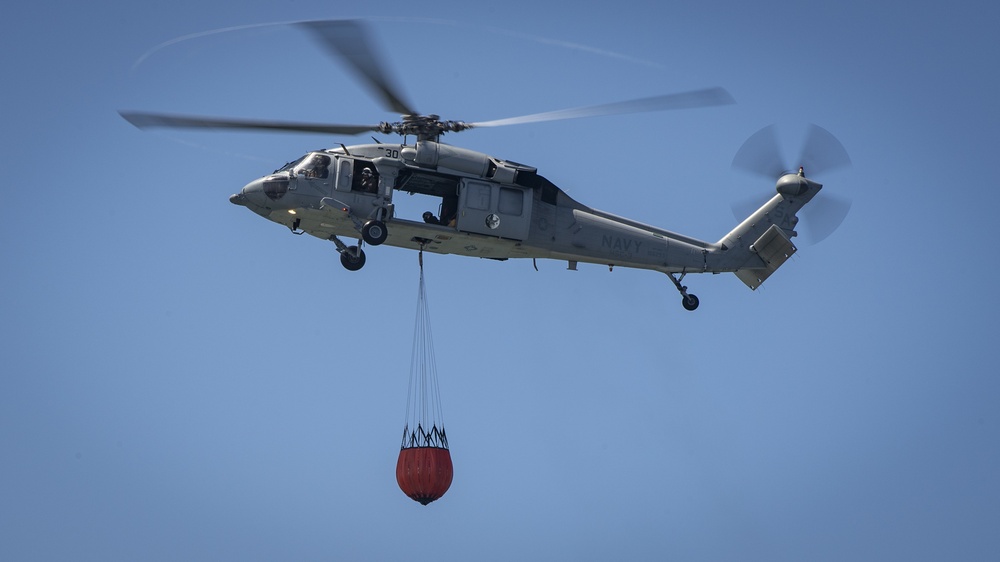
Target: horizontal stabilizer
772,249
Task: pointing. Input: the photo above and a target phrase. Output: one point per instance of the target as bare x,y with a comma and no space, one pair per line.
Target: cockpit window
290,165
314,166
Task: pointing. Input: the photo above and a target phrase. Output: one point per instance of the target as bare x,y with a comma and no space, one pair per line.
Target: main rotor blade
761,155
822,152
698,98
149,120
348,40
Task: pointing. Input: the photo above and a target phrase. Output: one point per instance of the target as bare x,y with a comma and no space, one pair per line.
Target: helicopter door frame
494,209
345,173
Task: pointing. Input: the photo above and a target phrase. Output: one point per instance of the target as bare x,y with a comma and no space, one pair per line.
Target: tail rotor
821,152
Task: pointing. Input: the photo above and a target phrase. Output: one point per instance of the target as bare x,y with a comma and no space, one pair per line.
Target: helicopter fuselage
498,209
490,208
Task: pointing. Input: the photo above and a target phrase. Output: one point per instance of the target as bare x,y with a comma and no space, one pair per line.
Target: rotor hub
424,127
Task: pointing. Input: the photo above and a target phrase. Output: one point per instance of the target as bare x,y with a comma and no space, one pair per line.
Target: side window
478,196
511,201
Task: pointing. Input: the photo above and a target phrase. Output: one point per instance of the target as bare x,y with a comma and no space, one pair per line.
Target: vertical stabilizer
763,242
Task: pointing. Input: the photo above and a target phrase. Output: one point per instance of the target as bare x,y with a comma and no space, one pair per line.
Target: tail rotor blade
822,152
823,216
761,155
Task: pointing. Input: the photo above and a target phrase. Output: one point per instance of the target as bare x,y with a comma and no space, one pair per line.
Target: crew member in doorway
368,184
449,210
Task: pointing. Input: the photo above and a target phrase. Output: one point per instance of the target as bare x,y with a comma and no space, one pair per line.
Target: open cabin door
345,173
493,209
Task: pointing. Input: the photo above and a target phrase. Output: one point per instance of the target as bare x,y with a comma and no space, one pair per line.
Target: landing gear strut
688,301
351,257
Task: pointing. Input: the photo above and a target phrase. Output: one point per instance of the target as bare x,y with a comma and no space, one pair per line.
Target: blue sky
185,380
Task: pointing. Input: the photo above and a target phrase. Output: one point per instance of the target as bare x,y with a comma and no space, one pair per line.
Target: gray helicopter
498,209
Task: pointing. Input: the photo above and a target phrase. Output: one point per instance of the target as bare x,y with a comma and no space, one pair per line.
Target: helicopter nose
251,194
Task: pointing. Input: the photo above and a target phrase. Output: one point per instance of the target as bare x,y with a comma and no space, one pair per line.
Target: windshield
290,165
313,166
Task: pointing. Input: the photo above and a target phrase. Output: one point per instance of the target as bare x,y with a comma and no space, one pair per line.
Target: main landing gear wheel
353,258
374,232
690,302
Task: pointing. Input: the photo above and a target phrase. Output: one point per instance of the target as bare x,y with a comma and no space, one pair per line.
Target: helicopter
494,208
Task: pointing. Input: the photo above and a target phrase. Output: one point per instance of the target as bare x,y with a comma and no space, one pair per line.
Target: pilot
429,218
368,181
323,166
319,167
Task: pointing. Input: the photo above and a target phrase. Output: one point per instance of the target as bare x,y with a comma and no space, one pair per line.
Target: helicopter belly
446,240
328,222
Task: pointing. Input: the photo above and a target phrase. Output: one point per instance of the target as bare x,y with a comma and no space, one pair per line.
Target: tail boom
762,243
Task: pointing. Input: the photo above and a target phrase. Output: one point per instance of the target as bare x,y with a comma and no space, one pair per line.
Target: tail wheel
353,258
689,301
374,232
